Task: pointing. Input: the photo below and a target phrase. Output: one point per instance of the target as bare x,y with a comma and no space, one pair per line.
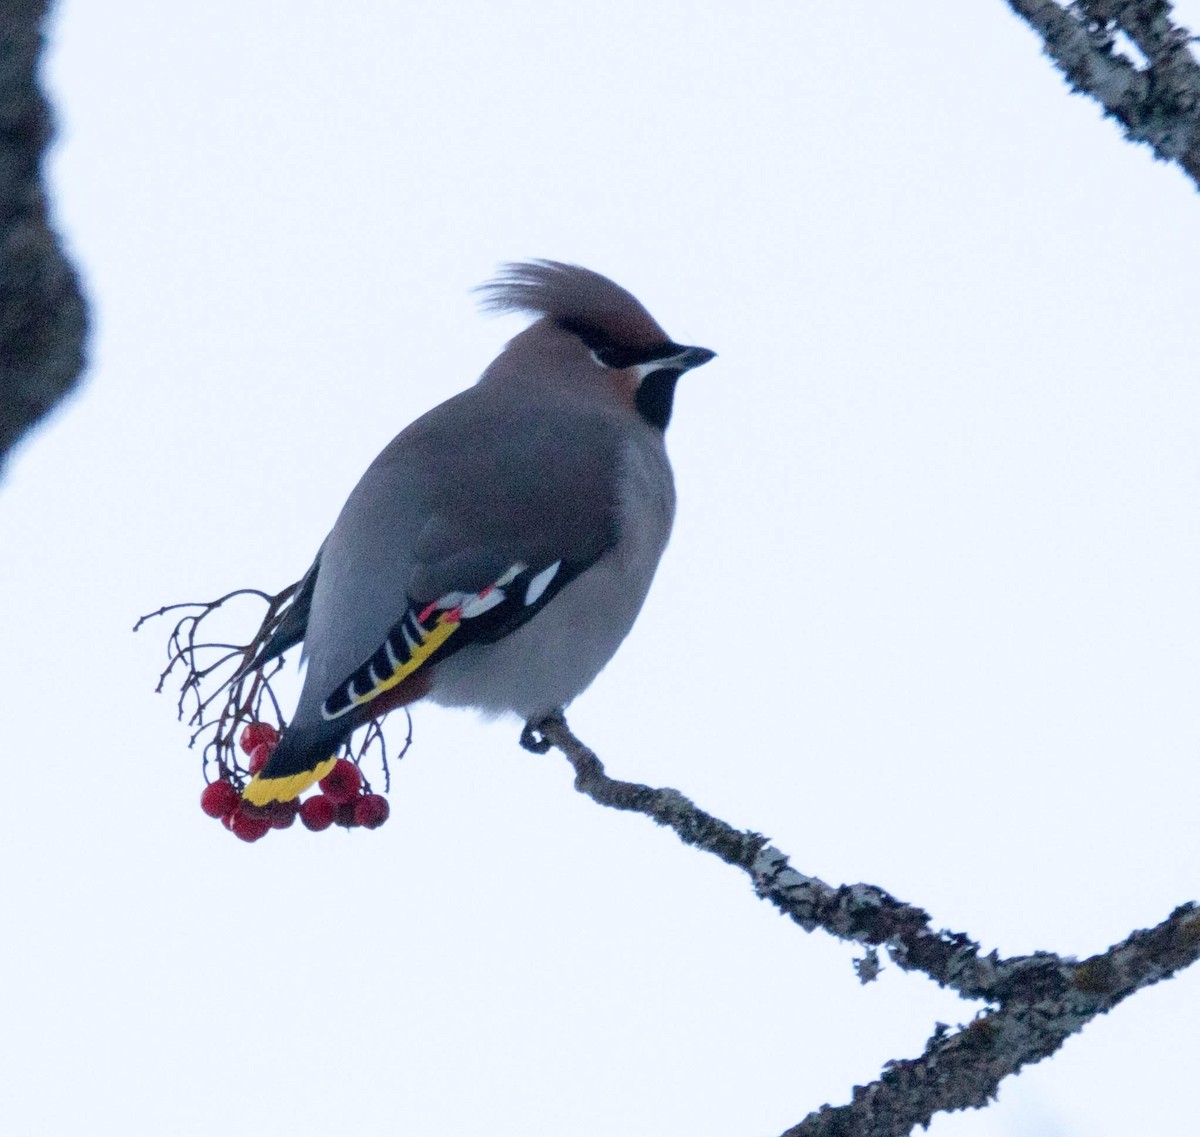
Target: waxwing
498,551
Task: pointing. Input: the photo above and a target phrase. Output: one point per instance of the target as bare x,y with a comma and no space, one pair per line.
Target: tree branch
43,318
1156,100
1036,1001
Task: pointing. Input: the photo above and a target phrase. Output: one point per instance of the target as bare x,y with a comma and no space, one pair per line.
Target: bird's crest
600,312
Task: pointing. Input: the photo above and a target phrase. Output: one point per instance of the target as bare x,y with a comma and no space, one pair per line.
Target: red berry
257,733
317,813
219,799
371,811
259,756
344,814
281,814
248,826
341,784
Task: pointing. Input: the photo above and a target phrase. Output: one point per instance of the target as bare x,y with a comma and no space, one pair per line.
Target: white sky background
930,617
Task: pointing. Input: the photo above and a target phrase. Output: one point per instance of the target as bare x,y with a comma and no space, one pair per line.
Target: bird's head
602,325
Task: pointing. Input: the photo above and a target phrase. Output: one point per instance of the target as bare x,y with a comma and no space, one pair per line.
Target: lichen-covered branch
1157,98
1035,1002
43,318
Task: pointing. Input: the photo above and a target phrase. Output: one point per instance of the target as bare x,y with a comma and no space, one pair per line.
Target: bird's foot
533,737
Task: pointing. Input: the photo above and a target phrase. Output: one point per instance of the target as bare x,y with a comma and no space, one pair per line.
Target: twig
1157,103
1036,1001
223,687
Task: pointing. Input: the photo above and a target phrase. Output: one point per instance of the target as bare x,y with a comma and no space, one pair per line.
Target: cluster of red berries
341,800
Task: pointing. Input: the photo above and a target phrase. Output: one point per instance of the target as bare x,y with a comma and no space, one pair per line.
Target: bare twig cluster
217,694
220,690
1156,97
1034,1002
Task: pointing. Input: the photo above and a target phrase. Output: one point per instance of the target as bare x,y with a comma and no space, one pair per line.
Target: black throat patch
655,397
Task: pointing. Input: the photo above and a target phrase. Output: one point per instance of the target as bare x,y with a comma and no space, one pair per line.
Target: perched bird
498,551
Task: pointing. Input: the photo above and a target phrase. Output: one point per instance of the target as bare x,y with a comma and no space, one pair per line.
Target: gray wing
450,505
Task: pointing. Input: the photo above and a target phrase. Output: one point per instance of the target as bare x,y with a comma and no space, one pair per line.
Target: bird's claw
533,737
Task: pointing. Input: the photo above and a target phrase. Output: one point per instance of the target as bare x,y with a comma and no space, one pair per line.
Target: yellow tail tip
263,791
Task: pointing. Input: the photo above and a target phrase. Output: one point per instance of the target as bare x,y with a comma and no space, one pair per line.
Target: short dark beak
691,357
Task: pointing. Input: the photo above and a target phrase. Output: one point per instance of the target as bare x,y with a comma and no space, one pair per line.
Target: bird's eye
602,358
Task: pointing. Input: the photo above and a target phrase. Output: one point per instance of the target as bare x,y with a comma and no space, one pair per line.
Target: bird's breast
547,662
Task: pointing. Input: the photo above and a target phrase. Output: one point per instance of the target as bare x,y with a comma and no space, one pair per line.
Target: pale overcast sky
941,487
